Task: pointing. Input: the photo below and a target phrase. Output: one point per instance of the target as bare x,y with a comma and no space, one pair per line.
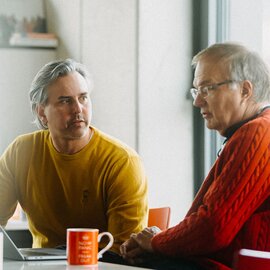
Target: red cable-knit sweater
232,208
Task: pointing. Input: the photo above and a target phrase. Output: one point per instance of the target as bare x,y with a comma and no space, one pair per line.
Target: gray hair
242,64
38,93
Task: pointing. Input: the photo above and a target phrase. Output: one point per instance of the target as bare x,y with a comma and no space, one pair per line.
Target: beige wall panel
64,19
109,50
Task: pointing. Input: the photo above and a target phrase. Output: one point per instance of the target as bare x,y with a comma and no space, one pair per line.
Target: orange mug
82,246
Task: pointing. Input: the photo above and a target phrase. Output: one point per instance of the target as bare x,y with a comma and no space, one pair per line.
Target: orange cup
82,246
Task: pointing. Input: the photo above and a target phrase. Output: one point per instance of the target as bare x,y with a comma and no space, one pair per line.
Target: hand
138,245
143,238
131,251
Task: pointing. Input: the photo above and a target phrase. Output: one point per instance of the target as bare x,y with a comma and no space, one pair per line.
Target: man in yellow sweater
69,173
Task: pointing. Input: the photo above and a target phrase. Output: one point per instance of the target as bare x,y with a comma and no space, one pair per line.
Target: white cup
1,250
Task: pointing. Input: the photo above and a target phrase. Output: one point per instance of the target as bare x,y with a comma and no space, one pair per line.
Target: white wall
109,50
165,125
102,35
246,20
139,53
63,18
17,70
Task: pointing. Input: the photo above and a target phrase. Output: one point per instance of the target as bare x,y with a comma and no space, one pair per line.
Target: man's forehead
209,70
69,82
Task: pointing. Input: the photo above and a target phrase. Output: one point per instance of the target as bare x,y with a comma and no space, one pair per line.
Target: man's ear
247,89
41,114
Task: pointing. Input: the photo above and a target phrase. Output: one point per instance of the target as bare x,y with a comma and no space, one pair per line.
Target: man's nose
77,106
199,101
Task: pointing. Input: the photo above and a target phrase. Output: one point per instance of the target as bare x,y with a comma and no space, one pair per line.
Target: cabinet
17,70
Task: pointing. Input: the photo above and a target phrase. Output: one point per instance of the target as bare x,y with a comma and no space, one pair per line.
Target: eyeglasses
204,90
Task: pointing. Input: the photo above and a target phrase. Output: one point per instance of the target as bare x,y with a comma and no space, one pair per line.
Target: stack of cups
1,251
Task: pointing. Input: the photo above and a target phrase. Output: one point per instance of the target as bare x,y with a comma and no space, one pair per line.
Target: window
244,21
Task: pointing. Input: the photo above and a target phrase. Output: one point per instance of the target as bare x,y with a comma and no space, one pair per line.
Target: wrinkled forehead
210,70
71,84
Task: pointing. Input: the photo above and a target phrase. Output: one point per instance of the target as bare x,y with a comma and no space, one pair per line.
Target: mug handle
108,245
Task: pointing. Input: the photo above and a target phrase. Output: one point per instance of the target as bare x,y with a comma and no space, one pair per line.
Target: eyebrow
205,82
65,97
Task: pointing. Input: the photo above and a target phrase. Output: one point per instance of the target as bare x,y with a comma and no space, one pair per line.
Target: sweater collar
231,130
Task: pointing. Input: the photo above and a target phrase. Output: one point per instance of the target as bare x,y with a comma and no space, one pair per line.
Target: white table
61,265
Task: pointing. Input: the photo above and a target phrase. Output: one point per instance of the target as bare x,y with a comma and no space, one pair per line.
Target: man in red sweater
232,208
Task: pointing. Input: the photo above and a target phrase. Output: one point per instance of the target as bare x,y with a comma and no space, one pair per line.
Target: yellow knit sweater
103,186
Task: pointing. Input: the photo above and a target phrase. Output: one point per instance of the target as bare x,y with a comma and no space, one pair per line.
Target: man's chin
209,125
78,133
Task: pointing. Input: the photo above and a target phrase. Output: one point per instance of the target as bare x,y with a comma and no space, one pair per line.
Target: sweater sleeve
235,187
127,201
7,186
